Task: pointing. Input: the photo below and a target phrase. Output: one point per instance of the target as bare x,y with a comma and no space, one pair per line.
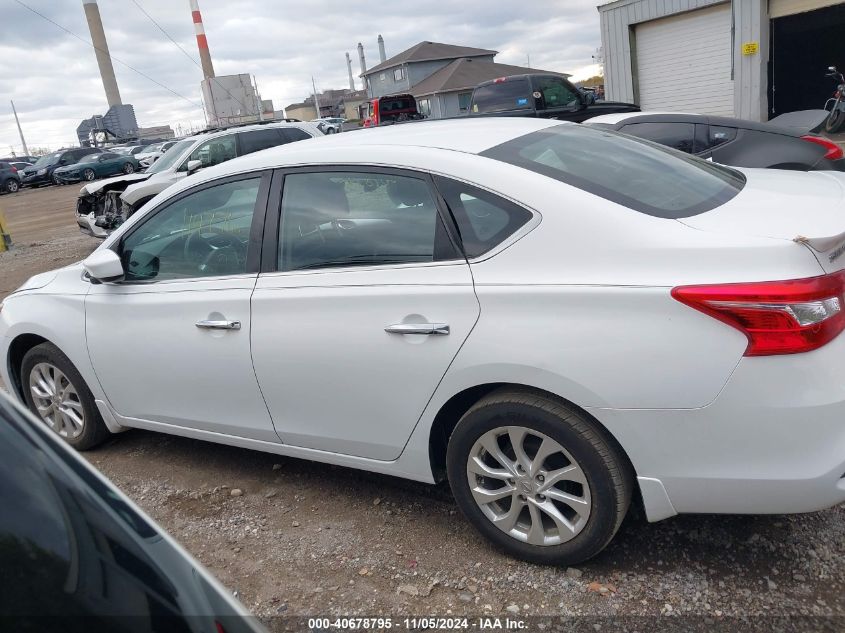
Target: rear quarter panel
752,148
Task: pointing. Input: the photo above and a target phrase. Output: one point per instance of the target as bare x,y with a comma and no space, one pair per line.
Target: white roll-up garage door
684,62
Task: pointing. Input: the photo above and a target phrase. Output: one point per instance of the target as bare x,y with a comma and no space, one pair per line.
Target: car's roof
462,134
689,117
257,126
618,117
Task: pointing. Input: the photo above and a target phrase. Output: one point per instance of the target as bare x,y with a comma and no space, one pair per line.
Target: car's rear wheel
12,185
89,174
128,168
538,478
56,393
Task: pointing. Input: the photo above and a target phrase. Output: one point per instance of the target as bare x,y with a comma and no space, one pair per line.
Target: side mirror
63,161
103,266
194,165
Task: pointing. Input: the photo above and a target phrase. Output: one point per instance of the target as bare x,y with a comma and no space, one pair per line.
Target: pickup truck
539,95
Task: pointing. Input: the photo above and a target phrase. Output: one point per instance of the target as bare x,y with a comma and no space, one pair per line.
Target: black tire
128,168
56,180
94,430
89,175
603,463
12,185
833,123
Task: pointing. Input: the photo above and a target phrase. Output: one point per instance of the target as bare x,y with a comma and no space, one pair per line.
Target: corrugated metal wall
616,21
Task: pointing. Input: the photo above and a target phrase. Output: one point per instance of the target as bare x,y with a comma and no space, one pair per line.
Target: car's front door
368,302
171,342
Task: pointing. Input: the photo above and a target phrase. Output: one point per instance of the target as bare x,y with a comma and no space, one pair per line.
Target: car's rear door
363,301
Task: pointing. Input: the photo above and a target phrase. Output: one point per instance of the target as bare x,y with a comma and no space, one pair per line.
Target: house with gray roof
440,76
448,91
399,73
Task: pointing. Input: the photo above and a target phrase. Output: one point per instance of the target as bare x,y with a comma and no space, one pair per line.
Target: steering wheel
214,244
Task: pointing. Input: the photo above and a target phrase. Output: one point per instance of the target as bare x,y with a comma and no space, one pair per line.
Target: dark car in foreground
10,178
77,555
96,166
41,173
539,95
731,141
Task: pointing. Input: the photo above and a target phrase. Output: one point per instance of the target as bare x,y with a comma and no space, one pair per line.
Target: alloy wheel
528,485
128,168
56,400
89,174
12,186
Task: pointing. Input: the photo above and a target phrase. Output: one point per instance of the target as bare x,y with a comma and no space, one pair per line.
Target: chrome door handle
418,328
219,325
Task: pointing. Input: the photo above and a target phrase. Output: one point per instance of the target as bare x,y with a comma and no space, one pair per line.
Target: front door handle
219,325
418,328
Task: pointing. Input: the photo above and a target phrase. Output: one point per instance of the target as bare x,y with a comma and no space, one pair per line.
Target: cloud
56,83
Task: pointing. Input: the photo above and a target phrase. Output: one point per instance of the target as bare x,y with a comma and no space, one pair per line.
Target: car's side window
484,220
213,152
556,92
337,219
677,135
256,140
202,234
291,134
720,134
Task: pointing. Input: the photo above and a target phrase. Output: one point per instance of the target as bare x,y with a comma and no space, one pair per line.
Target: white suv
104,205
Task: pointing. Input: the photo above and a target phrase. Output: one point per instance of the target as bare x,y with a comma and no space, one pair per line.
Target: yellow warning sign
5,238
750,48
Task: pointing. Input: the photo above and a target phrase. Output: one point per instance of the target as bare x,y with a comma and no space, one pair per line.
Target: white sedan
556,318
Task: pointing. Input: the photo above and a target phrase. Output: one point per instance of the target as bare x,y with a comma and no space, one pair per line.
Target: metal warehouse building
753,59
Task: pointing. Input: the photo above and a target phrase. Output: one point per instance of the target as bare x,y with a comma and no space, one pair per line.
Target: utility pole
20,131
316,101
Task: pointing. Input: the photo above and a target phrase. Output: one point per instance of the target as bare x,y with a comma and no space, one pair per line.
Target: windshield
48,159
509,94
170,157
638,174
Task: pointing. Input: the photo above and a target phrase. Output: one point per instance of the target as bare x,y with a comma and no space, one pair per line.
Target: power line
120,61
188,55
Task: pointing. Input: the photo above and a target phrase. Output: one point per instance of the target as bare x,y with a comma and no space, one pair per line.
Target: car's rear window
638,174
509,94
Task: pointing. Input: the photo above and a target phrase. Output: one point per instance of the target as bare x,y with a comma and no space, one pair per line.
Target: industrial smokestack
361,58
349,68
101,48
381,54
202,42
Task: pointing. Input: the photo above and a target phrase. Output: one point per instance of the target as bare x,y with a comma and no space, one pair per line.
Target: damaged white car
105,205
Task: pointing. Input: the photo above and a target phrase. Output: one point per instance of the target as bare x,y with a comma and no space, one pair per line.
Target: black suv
536,95
10,179
41,173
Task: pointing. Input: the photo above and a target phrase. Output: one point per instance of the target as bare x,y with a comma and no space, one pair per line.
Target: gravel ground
295,538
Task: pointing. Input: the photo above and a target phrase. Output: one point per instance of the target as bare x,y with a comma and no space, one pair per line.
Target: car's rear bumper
772,442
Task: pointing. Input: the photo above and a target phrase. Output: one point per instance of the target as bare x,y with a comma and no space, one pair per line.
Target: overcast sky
54,80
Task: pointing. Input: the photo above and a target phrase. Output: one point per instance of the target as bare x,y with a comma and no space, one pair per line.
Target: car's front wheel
56,393
538,478
89,174
128,168
56,180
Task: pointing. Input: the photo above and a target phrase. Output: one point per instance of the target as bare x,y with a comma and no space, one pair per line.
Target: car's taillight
778,317
834,152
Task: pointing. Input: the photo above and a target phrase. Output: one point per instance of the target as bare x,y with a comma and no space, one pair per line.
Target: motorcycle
836,118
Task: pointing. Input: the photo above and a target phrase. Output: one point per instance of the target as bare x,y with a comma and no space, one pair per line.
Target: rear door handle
418,328
219,325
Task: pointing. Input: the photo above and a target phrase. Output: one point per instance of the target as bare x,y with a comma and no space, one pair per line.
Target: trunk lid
805,207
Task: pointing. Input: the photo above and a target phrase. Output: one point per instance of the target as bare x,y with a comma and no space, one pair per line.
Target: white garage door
684,62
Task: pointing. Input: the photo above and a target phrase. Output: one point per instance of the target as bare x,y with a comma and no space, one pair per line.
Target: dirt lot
308,539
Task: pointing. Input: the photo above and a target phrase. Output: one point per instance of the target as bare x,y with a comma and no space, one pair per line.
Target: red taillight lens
778,317
834,152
